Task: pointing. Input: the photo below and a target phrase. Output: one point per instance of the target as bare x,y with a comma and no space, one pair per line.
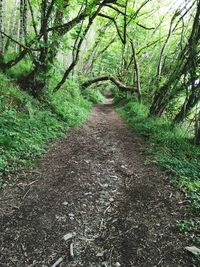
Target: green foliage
93,95
27,125
21,69
171,148
191,228
70,104
136,110
121,98
188,226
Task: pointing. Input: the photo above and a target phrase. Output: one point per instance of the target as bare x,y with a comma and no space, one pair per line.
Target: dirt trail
97,185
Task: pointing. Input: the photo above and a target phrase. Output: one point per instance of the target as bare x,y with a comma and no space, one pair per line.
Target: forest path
97,185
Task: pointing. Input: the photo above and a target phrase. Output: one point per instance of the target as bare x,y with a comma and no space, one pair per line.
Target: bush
21,69
70,104
93,95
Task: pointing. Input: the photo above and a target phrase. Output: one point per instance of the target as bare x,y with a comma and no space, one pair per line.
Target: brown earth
97,185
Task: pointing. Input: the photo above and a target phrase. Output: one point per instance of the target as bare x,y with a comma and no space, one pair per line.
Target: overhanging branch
118,83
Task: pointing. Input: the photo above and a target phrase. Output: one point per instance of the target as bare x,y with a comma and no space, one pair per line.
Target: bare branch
144,27
115,23
17,42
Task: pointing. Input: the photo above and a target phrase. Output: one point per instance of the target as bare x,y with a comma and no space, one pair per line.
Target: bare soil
97,185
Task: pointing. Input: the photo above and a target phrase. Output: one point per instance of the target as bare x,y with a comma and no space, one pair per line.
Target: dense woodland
150,49
58,57
151,43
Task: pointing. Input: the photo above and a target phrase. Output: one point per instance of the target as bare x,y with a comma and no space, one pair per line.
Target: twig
72,250
28,189
101,224
4,199
85,239
13,206
111,252
12,262
57,262
26,193
32,183
20,44
107,209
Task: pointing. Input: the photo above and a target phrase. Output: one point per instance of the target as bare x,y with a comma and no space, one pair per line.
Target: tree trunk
33,83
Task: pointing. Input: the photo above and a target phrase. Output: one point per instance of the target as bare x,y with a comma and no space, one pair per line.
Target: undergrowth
172,149
27,125
93,95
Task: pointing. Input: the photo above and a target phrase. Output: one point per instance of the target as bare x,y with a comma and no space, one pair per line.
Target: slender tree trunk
190,102
21,16
12,24
25,17
137,72
23,21
1,28
197,130
161,60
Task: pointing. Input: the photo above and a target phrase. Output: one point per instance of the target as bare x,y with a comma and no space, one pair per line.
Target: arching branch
118,83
